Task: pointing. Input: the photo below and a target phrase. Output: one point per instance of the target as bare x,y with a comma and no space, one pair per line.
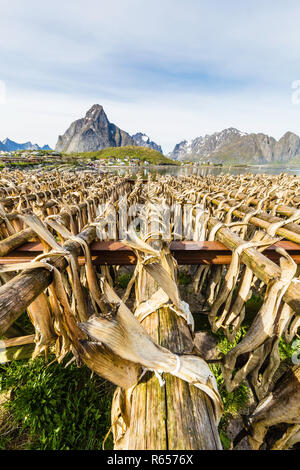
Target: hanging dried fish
282,405
263,325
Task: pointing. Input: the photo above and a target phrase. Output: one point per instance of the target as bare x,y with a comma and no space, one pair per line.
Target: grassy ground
142,153
49,406
52,407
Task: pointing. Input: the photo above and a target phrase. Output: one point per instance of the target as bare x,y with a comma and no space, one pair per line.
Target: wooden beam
185,252
19,292
16,353
177,415
15,241
290,231
262,267
18,341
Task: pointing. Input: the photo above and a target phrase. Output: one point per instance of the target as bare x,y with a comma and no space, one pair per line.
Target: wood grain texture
176,416
19,292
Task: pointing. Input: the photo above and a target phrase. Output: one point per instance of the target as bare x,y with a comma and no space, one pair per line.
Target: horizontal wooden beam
185,252
18,341
20,291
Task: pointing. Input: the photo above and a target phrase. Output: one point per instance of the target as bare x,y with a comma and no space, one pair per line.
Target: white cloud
167,118
173,69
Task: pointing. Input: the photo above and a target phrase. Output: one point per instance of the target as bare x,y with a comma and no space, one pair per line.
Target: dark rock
207,345
234,146
91,133
142,140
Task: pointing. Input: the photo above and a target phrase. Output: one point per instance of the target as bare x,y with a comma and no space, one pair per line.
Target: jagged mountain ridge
142,140
91,133
232,145
8,145
95,132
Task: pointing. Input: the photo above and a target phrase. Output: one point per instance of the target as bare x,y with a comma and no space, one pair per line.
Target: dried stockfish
91,276
261,381
125,336
40,315
282,405
112,367
263,325
161,266
224,298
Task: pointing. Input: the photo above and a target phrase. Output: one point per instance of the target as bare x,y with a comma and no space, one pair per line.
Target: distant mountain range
95,132
234,146
8,145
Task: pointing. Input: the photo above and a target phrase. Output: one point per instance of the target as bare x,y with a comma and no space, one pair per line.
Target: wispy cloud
172,68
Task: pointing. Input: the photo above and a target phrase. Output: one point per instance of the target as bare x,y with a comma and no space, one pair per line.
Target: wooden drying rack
185,252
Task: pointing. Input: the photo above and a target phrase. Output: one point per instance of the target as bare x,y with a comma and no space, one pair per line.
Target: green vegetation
233,402
123,280
294,162
53,407
142,153
21,164
288,350
50,406
184,279
252,306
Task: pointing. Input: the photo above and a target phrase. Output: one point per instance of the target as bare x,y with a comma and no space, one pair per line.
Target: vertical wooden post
176,416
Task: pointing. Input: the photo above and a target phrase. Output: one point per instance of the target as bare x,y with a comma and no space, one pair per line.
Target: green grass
184,279
252,307
286,350
234,402
142,153
20,164
56,408
123,280
53,407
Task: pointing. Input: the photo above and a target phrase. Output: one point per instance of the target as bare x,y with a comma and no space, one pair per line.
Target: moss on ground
52,407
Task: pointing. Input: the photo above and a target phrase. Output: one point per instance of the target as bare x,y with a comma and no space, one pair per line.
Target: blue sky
175,69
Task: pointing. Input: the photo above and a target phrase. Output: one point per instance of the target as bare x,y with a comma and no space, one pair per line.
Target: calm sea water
204,170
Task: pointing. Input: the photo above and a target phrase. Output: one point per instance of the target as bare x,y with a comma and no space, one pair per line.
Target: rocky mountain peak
238,147
91,133
204,146
95,132
142,140
96,112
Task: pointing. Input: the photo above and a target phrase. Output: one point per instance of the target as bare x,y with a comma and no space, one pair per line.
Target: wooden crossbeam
185,252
